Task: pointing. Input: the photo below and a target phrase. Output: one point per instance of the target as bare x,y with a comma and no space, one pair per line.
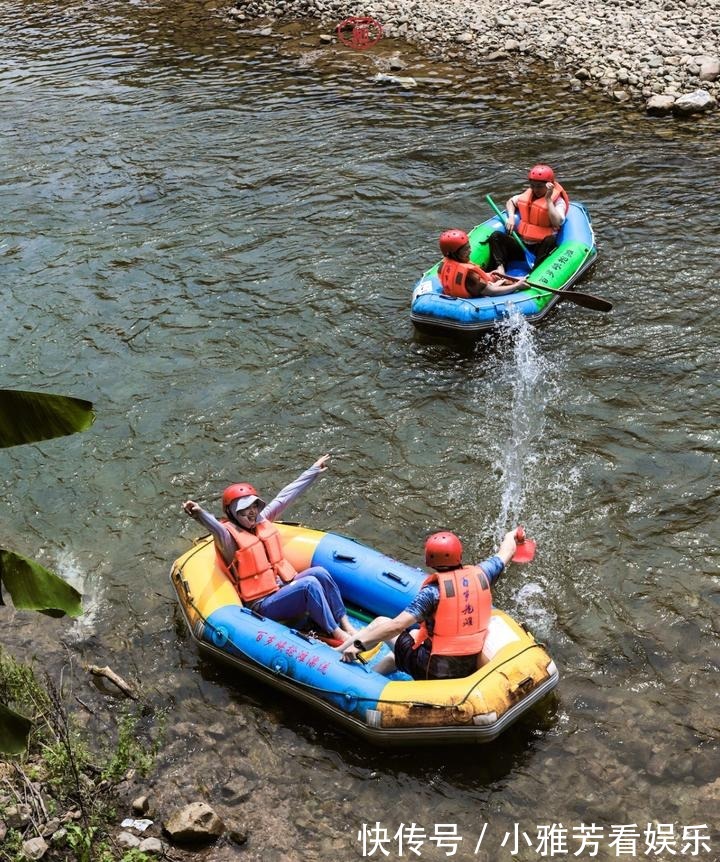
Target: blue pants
313,593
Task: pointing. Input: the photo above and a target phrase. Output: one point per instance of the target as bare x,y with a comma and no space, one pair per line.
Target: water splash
530,379
85,625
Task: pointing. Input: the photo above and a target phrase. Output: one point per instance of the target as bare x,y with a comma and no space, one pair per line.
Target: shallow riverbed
214,237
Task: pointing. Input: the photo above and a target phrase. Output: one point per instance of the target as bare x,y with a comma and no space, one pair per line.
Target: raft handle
303,636
246,610
396,578
346,558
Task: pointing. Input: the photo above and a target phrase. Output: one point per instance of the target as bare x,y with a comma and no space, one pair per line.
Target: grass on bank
63,776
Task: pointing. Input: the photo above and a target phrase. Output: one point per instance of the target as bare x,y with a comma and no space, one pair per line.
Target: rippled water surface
213,236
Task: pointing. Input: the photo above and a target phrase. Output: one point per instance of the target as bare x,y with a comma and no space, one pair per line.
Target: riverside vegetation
61,797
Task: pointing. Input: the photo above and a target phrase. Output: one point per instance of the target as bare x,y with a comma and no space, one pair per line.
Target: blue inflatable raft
431,310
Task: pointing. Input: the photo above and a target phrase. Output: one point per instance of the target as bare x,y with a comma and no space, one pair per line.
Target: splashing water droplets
529,377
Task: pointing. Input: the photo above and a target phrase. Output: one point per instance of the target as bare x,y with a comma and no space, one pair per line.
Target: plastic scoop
525,547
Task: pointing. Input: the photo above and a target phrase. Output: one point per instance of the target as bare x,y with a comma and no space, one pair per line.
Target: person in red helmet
463,279
542,209
453,609
249,552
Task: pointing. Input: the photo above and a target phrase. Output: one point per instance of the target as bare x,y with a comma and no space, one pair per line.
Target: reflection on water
214,238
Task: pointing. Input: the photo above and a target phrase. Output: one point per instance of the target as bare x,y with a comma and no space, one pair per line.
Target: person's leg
411,660
303,596
503,249
332,595
544,249
386,665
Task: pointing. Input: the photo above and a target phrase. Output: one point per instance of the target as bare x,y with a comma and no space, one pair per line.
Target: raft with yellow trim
516,671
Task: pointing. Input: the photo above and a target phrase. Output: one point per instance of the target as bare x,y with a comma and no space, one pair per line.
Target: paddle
529,256
586,300
525,547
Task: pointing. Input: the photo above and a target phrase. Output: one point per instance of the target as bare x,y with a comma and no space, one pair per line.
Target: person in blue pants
249,550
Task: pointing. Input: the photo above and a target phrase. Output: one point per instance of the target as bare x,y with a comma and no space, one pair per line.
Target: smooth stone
660,104
694,103
35,848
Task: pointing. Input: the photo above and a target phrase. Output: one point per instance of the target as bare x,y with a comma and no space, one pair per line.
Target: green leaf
27,417
34,588
14,731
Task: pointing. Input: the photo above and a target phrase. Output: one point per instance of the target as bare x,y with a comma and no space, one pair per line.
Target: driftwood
110,674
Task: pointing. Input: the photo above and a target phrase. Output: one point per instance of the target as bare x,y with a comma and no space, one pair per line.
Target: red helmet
541,173
240,491
452,240
443,549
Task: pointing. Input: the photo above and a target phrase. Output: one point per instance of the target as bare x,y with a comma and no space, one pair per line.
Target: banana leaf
14,731
28,417
33,587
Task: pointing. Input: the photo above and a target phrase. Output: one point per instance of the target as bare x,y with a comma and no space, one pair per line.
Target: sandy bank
653,52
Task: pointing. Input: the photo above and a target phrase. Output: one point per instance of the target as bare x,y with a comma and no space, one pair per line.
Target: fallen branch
114,678
84,705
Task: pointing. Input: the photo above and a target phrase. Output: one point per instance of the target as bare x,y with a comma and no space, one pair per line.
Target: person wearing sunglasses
250,553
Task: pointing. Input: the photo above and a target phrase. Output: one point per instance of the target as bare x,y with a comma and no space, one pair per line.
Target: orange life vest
453,277
258,561
463,614
535,222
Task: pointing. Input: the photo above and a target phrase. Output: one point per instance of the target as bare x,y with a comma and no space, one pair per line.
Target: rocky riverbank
655,53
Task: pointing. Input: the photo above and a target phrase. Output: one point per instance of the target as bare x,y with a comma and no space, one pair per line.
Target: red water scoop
525,547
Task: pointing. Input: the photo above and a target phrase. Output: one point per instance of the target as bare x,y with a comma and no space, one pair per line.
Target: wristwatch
359,645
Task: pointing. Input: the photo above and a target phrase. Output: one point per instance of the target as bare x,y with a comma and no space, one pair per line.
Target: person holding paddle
542,209
453,607
249,552
463,279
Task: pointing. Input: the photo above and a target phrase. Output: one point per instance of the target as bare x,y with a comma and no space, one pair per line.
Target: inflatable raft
515,674
433,311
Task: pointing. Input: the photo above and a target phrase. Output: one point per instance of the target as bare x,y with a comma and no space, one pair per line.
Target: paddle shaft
499,214
587,300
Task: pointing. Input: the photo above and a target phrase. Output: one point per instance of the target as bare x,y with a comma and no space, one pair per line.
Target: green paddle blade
28,417
32,587
14,731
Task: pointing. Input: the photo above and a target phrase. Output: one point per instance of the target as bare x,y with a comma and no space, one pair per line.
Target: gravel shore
658,53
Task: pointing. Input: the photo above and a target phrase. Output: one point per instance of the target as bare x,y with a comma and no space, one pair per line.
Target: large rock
141,805
660,104
694,103
197,823
710,69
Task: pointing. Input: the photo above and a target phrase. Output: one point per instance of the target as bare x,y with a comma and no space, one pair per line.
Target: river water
213,236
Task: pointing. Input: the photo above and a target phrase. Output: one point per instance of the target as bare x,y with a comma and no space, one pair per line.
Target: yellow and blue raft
516,671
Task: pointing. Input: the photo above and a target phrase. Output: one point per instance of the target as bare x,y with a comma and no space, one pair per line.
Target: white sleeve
288,494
